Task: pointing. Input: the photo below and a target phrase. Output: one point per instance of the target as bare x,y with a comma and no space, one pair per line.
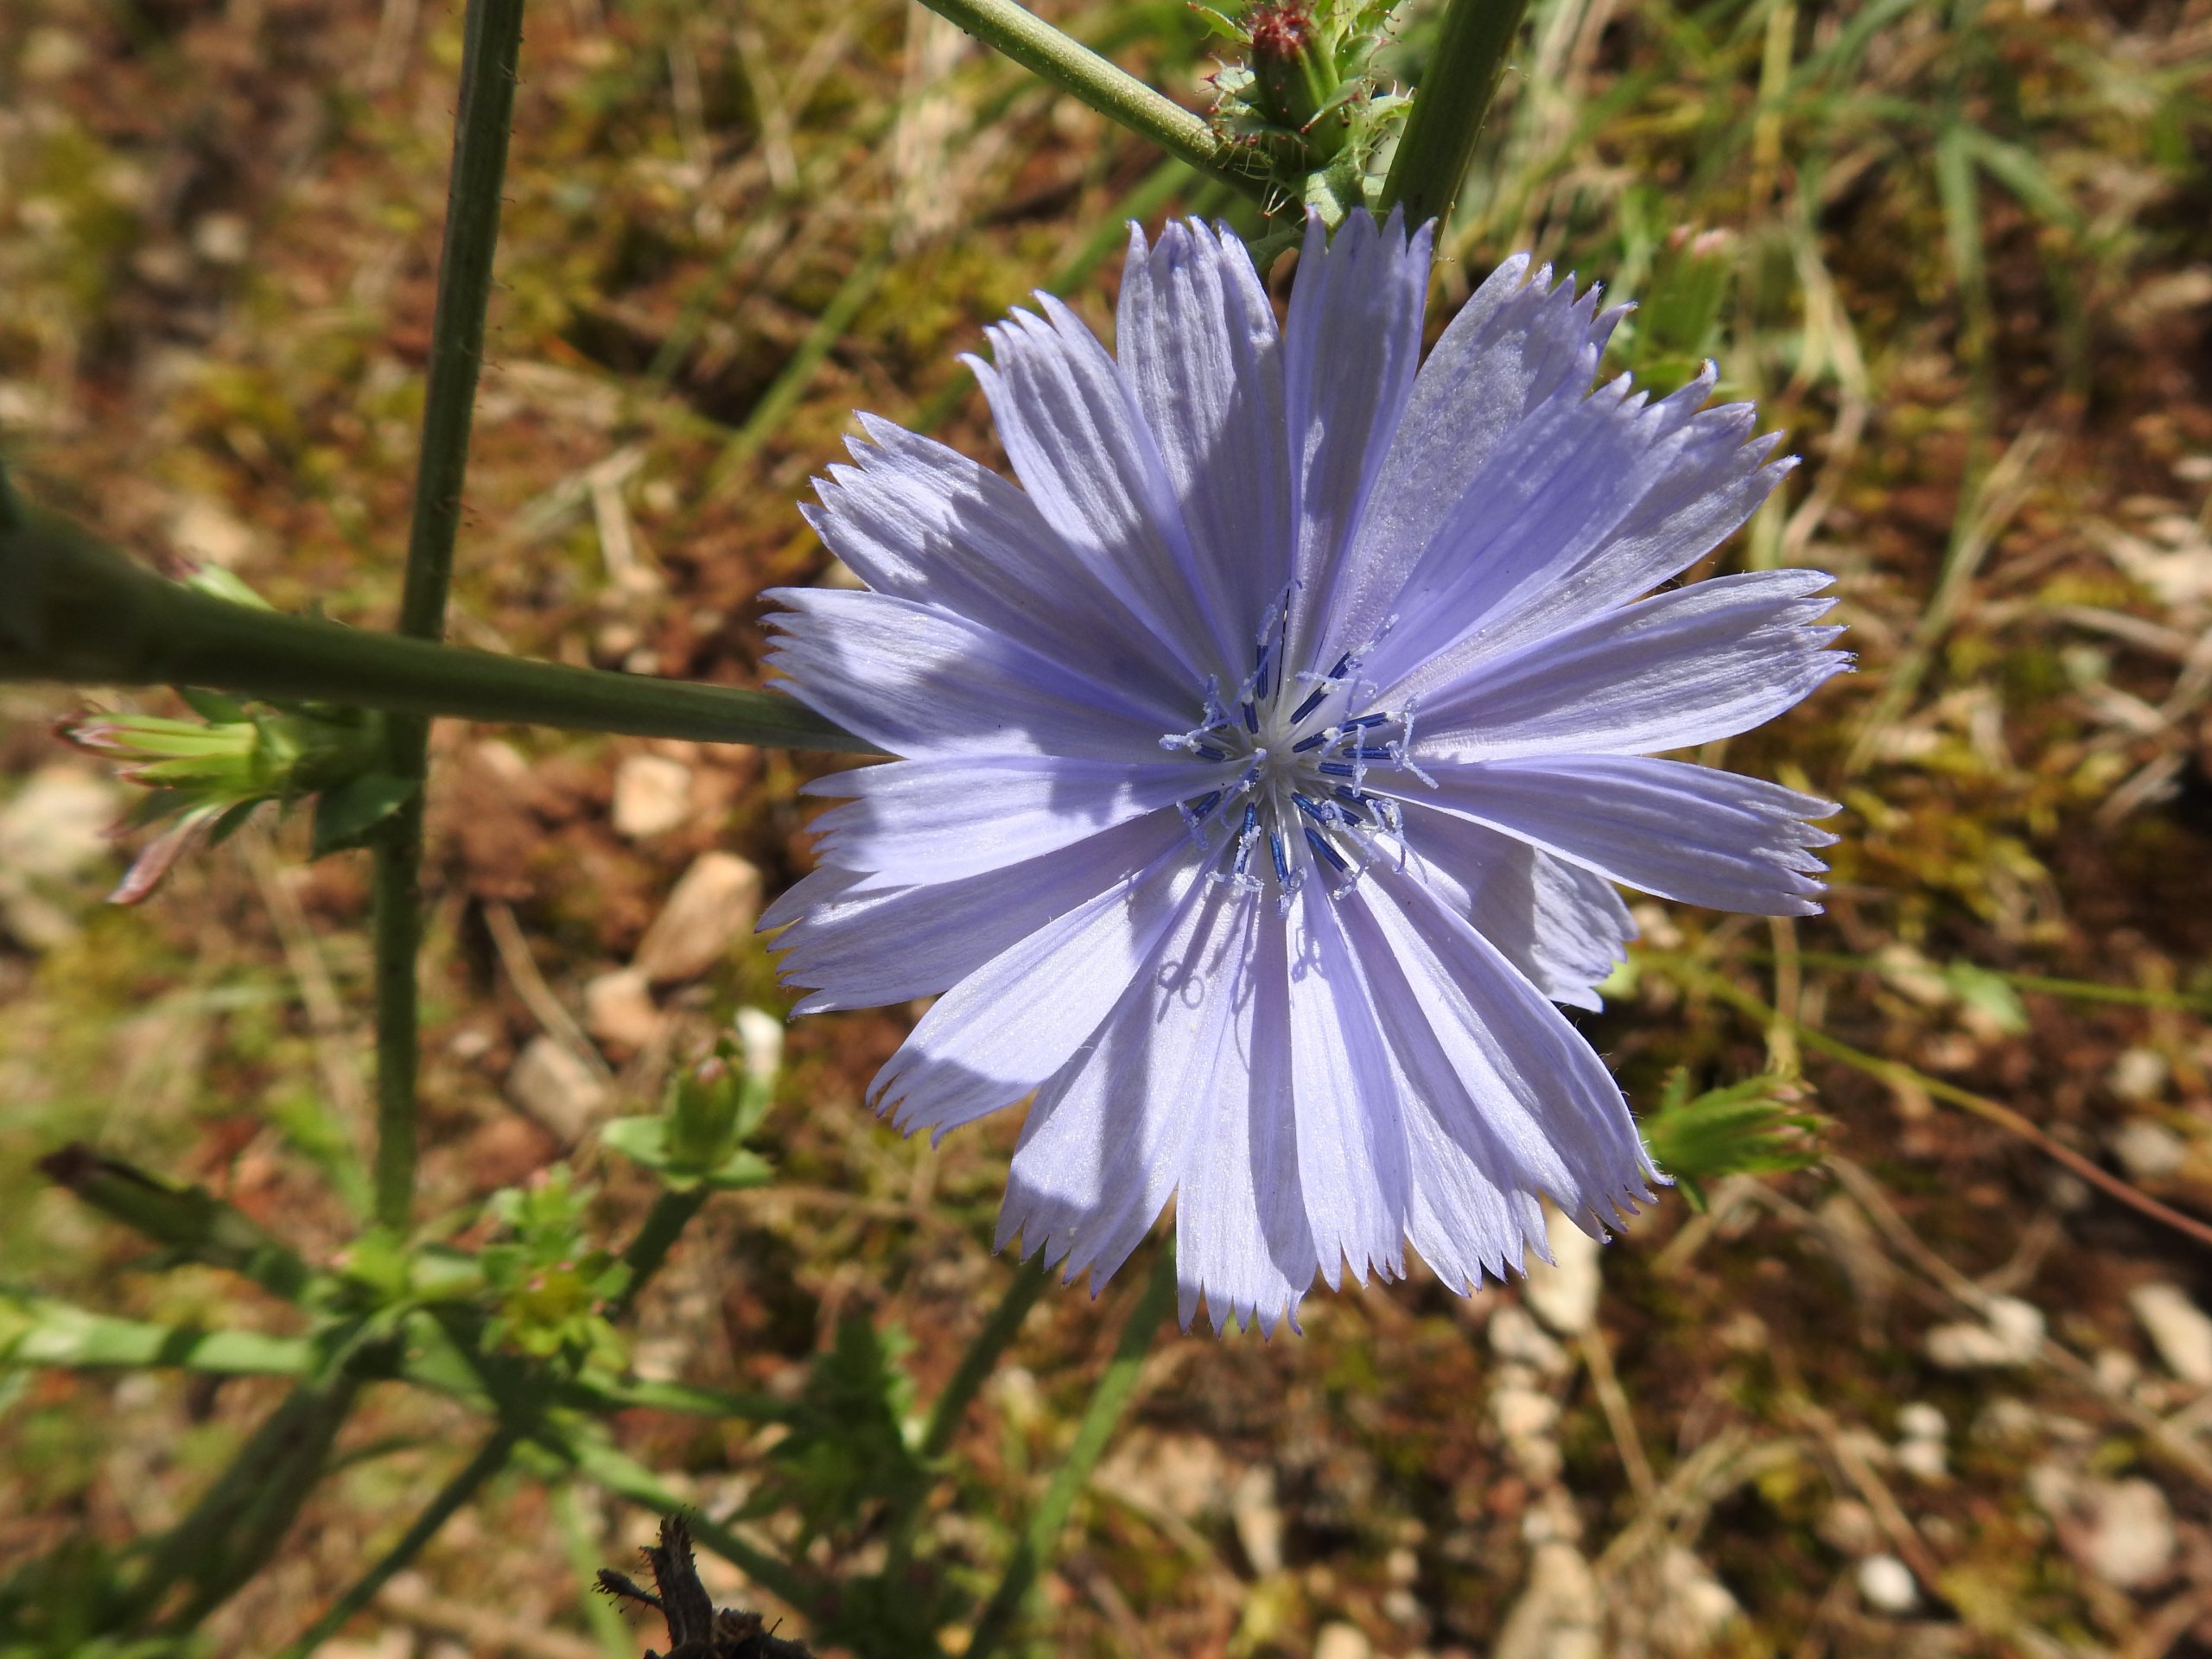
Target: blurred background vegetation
1944,1388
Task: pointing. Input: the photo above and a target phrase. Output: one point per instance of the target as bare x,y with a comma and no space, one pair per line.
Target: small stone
713,906
1253,1512
620,1012
2013,1336
1523,1414
207,534
1518,1339
2178,1329
2137,1074
1337,1640
1557,1616
1922,1459
1694,1605
2117,1372
1918,1421
1181,1475
652,795
57,824
1848,1528
1563,1291
222,239
2120,1530
552,1086
1885,1584
51,54
2147,1150
54,830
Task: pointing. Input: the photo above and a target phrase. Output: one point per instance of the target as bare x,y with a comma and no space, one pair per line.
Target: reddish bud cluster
1280,30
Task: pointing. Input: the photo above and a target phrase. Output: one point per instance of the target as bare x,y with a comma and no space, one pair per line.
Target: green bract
1308,100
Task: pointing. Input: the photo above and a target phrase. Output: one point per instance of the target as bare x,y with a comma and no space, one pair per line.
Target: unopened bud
1294,76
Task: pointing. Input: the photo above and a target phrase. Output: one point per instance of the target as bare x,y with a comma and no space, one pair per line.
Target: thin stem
489,56
777,403
1454,97
1114,92
993,1340
490,1459
664,1224
1896,1072
77,610
1116,1387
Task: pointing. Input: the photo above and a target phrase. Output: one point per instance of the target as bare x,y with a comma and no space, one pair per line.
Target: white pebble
1886,1584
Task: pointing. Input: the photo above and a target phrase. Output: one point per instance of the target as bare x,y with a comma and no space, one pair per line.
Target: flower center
1289,765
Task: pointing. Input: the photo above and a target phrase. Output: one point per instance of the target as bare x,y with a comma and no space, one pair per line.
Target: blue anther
1204,805
1370,751
1343,667
1283,860
1304,744
1309,705
1320,845
1260,675
1338,769
1315,810
1207,751
1365,721
1353,801
1251,720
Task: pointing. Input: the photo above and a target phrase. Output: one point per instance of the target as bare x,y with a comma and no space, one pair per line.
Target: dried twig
697,1628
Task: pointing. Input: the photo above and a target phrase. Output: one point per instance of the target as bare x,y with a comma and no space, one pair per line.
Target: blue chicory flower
1266,761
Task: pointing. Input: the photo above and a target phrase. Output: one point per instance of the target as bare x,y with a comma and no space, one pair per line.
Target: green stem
1116,1387
490,1459
997,1334
234,1528
1449,105
782,396
664,1224
491,51
78,611
1114,92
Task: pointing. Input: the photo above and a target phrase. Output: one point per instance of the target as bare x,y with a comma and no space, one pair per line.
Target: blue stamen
1321,846
1372,753
1306,745
1353,801
1260,677
1207,751
1251,720
1315,810
1282,862
1338,769
1204,805
1309,705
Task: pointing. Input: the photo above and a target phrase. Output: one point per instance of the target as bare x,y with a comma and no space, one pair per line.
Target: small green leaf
1990,994
345,816
213,707
1757,1126
41,1332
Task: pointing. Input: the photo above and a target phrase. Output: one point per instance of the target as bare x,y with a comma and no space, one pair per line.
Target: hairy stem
491,49
1114,92
664,1224
1454,97
76,610
1116,1387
